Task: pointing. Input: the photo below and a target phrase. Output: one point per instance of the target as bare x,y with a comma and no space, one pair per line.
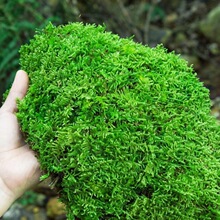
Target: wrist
7,197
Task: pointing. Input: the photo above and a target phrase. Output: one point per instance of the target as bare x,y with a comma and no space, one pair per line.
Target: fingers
17,91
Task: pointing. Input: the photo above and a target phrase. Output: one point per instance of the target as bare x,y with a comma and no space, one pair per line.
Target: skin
19,168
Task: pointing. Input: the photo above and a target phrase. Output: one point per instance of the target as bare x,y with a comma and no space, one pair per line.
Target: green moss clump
126,128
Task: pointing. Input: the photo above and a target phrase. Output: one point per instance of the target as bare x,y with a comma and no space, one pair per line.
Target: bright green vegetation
126,128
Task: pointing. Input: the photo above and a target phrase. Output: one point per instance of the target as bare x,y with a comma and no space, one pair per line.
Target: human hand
19,168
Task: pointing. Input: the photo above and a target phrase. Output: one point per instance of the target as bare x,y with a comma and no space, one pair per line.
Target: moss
126,128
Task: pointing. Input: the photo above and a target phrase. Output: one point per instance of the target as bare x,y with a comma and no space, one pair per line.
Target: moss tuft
126,128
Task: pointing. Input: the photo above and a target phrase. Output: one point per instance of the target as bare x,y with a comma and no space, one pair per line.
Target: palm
18,165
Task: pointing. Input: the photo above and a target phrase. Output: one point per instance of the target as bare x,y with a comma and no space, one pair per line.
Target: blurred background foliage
190,27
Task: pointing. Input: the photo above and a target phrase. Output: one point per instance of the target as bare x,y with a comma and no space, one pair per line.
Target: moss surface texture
126,128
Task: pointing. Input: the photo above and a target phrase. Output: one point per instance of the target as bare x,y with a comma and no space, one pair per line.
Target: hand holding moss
19,169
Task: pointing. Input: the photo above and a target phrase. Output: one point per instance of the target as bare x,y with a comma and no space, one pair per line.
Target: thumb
17,91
